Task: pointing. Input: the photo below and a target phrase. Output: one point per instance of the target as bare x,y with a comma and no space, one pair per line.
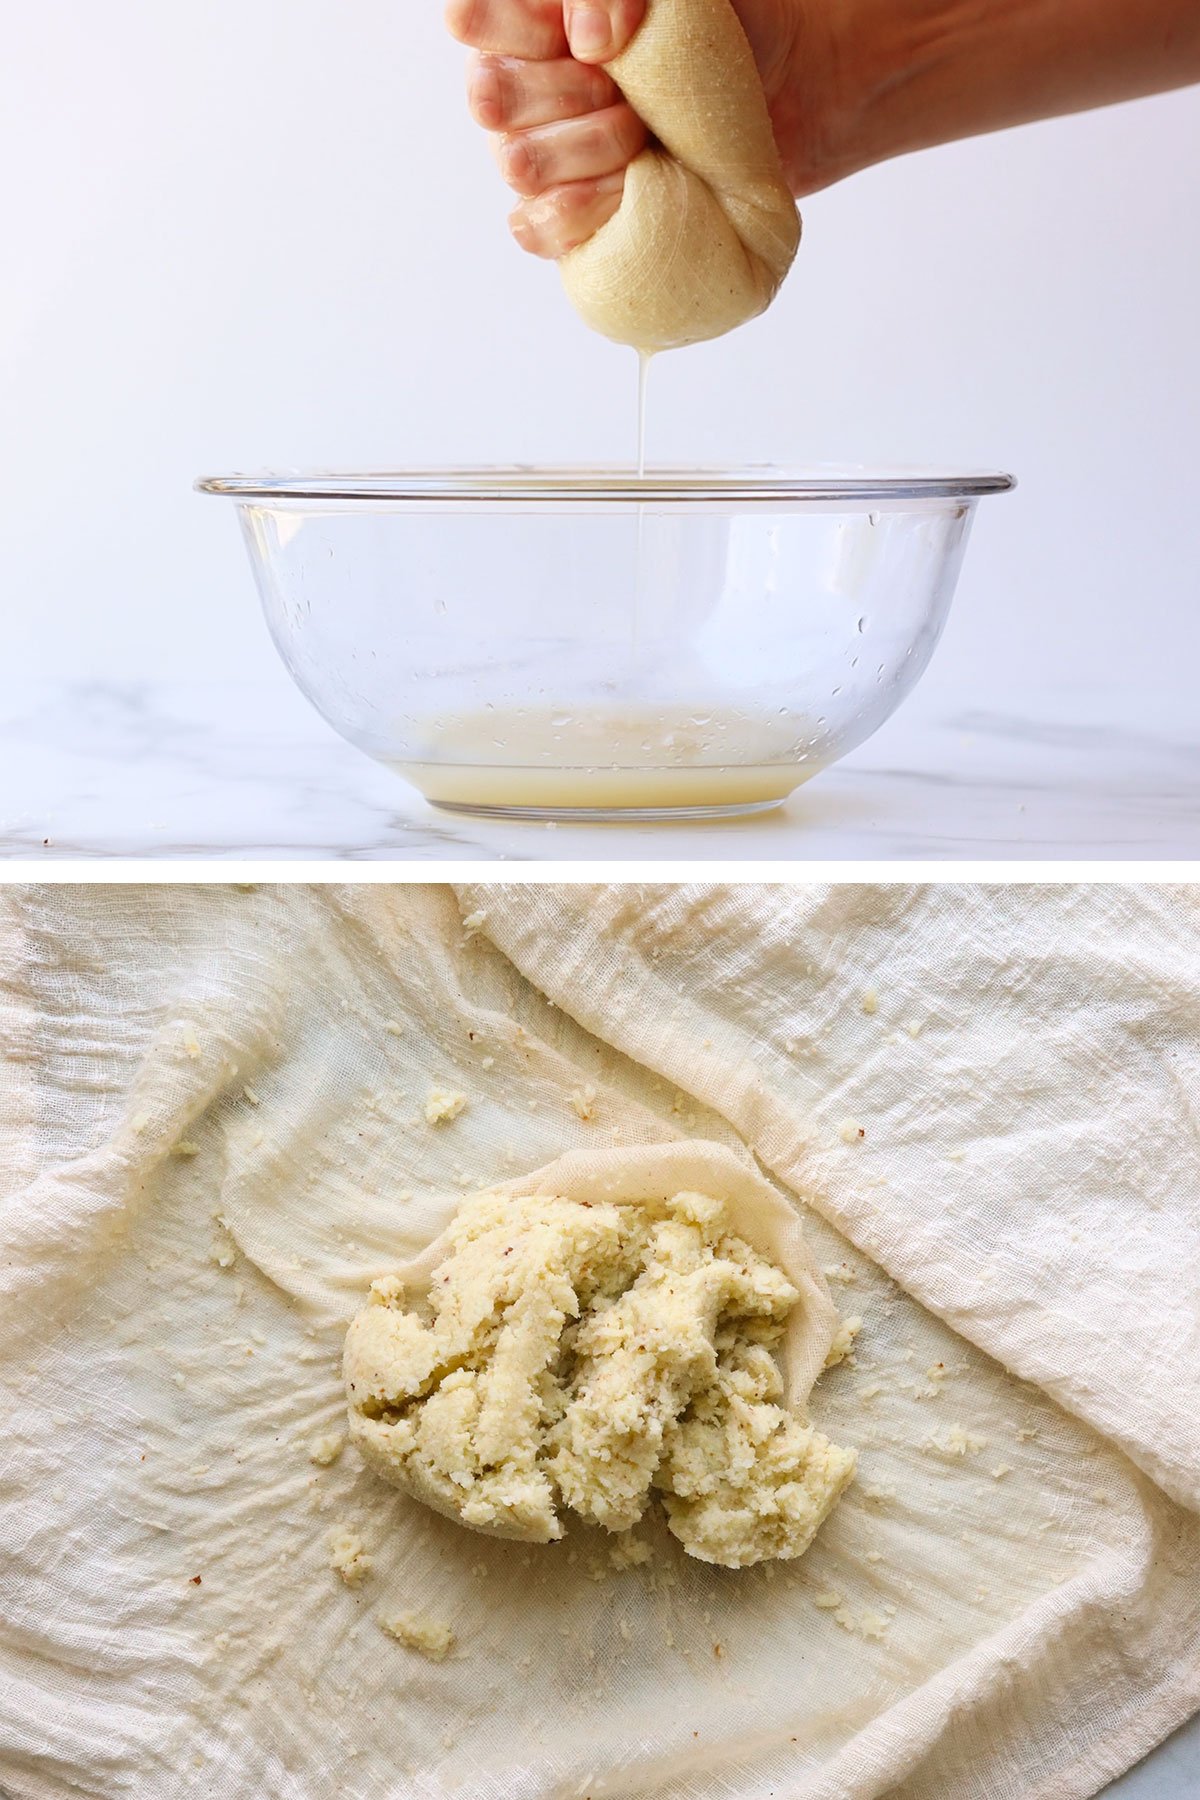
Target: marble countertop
239,769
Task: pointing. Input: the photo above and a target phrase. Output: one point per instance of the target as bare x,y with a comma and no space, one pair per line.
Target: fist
562,135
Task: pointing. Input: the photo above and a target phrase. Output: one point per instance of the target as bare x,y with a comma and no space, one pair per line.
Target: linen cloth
706,230
212,1137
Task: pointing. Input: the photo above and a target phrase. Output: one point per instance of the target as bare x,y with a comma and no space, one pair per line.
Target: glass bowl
594,644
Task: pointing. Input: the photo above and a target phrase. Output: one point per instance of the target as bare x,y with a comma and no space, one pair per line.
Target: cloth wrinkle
1005,1601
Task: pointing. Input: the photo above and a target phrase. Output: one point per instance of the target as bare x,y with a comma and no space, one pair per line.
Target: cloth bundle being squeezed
706,230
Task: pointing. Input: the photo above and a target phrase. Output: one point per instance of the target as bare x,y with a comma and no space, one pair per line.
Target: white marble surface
237,769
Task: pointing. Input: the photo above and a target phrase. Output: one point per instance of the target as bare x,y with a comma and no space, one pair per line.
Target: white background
263,232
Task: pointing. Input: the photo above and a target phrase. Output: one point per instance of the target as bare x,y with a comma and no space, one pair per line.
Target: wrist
823,87
857,74
880,78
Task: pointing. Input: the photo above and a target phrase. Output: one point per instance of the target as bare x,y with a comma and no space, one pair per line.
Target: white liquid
612,758
643,357
563,791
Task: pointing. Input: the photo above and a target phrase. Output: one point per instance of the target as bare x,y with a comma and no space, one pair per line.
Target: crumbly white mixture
347,1557
964,1443
417,1632
326,1448
441,1106
843,1342
585,1356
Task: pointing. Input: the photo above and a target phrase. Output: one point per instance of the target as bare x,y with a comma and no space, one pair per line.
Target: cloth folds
213,1137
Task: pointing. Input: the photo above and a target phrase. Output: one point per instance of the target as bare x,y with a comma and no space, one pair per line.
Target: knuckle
521,162
595,139
575,202
601,90
628,131
487,95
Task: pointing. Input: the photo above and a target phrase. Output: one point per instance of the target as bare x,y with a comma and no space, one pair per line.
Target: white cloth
1007,1601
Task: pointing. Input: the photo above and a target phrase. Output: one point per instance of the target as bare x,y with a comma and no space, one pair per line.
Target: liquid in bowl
614,762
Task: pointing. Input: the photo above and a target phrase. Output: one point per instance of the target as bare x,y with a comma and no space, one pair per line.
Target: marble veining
230,770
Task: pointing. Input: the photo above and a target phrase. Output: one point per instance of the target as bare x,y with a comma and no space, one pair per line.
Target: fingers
527,28
565,136
599,29
565,217
506,93
595,29
602,143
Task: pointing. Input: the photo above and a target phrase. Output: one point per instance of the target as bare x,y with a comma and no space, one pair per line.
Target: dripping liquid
628,754
643,357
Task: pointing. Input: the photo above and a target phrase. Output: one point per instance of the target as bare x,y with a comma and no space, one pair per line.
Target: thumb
600,29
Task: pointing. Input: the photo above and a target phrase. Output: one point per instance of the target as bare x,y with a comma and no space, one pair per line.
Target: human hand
848,83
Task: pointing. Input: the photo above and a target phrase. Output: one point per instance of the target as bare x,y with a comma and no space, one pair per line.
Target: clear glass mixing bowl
587,643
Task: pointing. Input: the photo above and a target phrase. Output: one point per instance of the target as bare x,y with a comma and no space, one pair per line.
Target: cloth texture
984,1106
706,230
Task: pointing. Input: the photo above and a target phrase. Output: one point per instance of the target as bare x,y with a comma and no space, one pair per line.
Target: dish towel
984,1104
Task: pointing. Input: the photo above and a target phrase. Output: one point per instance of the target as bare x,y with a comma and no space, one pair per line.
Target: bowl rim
614,483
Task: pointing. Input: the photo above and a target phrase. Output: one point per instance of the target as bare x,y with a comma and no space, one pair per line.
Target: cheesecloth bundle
706,229
213,1137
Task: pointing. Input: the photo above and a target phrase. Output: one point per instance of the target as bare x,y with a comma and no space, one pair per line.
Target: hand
848,83
564,136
